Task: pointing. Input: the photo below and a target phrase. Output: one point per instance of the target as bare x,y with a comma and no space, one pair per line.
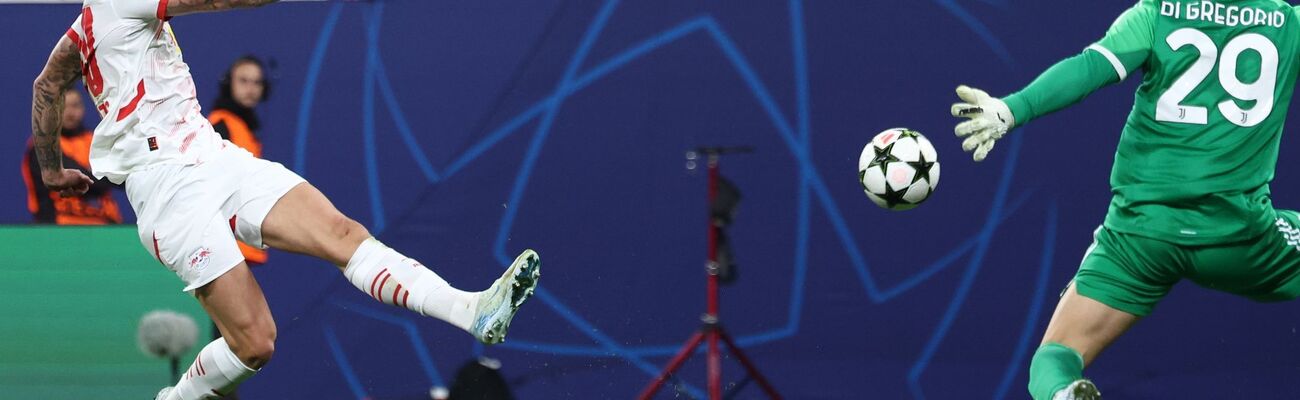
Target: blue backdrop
463,132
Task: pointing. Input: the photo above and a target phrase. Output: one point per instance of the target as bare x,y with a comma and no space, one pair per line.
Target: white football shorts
189,216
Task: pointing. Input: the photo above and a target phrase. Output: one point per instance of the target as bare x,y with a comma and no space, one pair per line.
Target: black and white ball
899,169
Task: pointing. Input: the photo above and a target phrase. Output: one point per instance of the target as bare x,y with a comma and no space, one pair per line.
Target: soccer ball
899,169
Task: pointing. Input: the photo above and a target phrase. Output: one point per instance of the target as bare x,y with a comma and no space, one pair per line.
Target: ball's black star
883,156
922,168
909,133
891,197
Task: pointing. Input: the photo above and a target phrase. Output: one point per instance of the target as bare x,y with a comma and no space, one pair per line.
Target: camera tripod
712,329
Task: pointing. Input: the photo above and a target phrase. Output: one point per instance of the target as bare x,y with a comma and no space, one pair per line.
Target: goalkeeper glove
990,119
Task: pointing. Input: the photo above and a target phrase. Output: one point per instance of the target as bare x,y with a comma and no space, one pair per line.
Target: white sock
391,278
215,371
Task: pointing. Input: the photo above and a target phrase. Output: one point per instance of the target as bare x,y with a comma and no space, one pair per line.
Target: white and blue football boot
498,304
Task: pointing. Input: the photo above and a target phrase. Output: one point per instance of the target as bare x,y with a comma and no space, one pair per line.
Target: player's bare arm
62,69
182,7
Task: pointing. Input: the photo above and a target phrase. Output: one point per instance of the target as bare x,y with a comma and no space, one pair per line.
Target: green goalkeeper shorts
1132,273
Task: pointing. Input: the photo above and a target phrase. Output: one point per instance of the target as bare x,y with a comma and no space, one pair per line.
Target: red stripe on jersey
157,253
376,280
396,290
199,361
380,297
130,107
162,10
76,39
404,296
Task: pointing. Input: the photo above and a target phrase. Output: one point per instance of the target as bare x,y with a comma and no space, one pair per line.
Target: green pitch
70,301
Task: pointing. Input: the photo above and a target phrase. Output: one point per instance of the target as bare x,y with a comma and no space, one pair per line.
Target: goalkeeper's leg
1080,329
1121,279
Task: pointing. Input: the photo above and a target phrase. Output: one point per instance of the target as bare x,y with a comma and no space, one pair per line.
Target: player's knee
339,238
256,344
342,228
345,233
256,351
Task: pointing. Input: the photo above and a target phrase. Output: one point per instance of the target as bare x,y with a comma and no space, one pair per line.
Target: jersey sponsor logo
153,143
199,260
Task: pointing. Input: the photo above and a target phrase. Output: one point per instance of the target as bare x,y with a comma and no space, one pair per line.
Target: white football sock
215,371
388,276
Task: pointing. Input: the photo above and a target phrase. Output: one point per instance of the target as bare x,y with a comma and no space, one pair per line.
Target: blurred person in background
96,206
243,87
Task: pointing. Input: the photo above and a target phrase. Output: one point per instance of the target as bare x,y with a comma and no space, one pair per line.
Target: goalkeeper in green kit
1190,180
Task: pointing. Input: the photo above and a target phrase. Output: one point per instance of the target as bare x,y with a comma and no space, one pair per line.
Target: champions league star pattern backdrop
462,133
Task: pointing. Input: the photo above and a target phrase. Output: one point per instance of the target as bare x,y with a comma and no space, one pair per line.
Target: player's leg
236,304
1120,280
188,234
304,221
1080,329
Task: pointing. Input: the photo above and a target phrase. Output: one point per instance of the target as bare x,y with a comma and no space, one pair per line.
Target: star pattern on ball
884,156
922,168
891,197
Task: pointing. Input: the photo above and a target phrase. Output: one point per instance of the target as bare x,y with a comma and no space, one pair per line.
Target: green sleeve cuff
1020,109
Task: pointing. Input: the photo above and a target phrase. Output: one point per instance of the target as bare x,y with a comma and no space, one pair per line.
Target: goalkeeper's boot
1082,389
498,304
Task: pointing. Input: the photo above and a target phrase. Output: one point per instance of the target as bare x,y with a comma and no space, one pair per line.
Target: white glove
990,119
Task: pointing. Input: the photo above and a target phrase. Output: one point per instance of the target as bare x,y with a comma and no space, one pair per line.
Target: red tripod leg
749,365
715,366
672,366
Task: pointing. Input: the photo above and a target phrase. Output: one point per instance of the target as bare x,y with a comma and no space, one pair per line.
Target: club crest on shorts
199,259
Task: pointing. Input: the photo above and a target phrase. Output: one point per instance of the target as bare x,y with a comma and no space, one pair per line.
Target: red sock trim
376,281
380,296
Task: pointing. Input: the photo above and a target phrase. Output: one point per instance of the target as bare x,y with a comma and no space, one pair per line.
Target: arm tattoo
62,69
182,7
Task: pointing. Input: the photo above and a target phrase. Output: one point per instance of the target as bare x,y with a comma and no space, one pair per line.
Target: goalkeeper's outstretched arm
1062,85
1125,48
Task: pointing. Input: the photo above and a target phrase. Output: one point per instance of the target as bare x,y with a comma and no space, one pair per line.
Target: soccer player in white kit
194,194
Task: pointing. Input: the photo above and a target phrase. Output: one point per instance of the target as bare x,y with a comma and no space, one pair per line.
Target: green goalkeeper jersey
1200,146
